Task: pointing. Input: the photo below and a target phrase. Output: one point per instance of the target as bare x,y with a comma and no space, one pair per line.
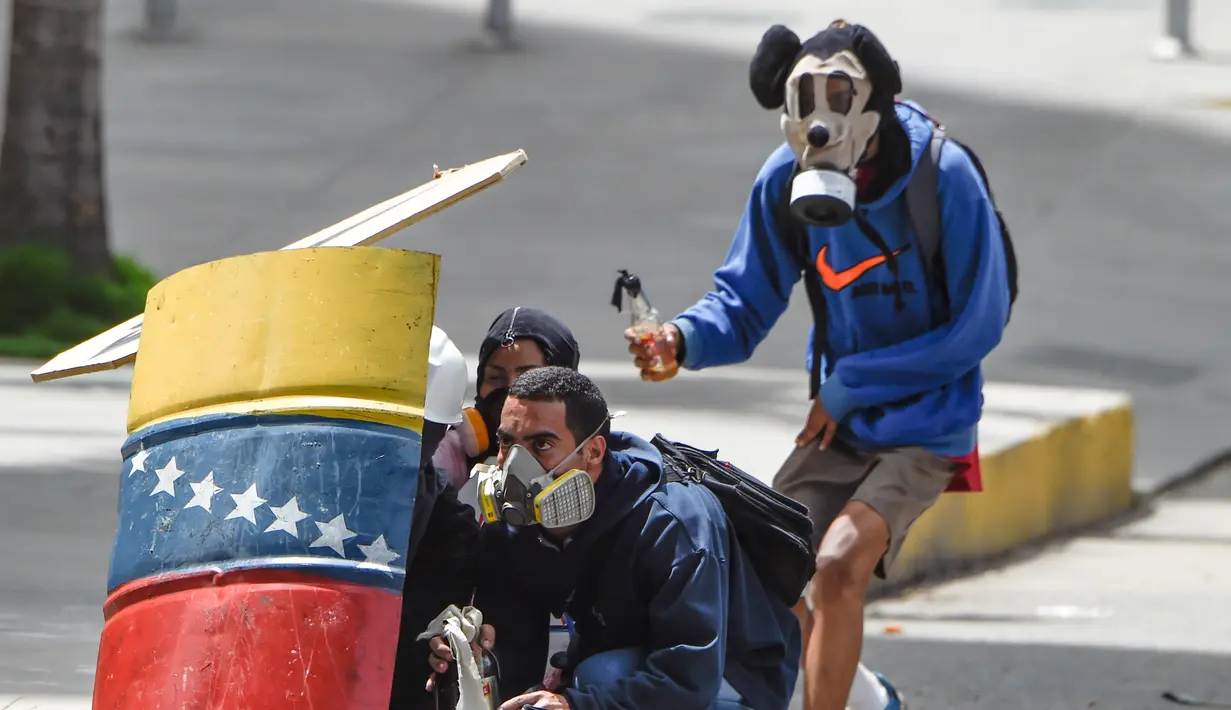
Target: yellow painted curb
1076,472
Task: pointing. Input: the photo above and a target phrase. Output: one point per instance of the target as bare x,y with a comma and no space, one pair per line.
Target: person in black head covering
518,340
521,339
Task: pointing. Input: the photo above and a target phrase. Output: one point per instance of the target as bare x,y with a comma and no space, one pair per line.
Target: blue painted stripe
266,491
368,575
157,434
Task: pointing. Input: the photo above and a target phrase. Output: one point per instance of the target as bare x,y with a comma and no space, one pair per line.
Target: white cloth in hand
460,627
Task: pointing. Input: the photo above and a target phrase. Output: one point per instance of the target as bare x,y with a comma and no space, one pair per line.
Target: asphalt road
57,527
1112,619
965,676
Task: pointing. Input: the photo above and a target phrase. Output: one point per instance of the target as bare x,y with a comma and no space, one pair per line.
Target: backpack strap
795,235
676,467
923,206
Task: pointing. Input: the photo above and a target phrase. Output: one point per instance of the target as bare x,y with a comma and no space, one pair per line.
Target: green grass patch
46,306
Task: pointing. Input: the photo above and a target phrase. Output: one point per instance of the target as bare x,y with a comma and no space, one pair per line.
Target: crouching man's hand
538,699
441,655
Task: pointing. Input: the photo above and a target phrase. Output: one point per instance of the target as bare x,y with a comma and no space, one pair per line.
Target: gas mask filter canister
825,198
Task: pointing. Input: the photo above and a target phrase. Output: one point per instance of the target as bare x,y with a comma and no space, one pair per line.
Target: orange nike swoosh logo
838,280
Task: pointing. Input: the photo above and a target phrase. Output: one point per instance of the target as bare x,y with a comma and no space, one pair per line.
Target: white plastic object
446,380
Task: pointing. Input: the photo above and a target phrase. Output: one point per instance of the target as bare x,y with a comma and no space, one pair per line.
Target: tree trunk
51,162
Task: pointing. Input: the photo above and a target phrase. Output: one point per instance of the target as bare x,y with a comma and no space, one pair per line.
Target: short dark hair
585,409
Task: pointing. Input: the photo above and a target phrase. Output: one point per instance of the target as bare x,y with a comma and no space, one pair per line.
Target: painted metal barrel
268,483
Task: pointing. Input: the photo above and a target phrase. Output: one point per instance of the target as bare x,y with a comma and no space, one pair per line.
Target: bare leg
846,561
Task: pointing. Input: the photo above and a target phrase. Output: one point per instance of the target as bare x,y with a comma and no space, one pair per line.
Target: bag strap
923,202
795,234
923,207
678,469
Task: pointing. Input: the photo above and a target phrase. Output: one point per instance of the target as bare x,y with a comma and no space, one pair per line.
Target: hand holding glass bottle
654,346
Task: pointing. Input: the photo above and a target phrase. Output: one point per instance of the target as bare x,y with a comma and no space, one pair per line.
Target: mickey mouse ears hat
780,49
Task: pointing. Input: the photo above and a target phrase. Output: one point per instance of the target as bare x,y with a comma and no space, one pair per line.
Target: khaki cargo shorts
899,484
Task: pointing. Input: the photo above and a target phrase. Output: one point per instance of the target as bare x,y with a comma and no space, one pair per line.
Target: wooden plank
118,346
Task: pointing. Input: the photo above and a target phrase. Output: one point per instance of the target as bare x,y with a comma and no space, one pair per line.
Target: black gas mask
484,419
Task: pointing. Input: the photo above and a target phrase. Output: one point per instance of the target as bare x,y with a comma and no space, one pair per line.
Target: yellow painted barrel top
330,331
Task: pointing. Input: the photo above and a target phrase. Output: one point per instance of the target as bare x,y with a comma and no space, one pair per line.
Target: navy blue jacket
661,570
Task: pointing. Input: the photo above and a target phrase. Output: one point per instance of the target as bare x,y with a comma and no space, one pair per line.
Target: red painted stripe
250,639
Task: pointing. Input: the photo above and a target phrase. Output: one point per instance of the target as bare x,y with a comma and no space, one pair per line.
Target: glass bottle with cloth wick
644,321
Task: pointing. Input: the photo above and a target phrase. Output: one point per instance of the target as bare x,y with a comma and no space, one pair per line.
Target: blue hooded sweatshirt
891,377
655,567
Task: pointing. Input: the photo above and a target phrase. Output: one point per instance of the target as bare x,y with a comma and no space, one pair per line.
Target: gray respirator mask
521,492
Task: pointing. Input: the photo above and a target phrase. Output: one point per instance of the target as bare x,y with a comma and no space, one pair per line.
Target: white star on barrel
203,493
167,476
378,553
287,517
333,535
246,504
138,461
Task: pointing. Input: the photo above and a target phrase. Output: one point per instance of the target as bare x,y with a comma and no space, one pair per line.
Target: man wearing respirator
895,354
444,538
668,611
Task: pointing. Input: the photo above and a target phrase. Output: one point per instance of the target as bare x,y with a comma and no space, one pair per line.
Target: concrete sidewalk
80,421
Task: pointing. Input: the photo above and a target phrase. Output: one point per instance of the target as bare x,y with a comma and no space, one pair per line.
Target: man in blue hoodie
668,612
897,344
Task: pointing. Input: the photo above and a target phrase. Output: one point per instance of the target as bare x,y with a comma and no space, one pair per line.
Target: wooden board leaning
118,346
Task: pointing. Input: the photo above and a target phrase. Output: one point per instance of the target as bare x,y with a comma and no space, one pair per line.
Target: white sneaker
895,698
